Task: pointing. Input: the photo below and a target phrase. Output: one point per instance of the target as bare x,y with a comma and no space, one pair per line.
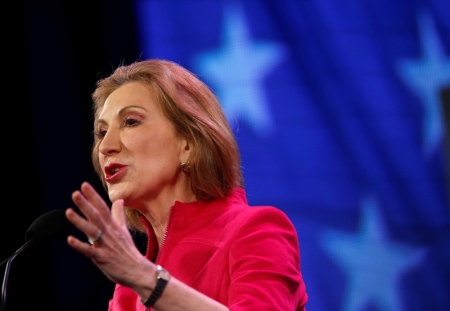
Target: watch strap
162,278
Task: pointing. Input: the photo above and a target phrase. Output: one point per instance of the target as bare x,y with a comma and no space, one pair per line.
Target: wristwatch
162,278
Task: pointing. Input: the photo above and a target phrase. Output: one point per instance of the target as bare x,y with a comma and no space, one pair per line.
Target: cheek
156,148
101,160
155,151
159,159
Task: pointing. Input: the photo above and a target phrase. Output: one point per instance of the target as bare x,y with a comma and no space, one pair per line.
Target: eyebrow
122,111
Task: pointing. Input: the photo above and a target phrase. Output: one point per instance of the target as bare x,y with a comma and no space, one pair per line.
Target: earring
185,166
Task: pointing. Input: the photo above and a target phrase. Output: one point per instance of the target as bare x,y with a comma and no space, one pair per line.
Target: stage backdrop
336,108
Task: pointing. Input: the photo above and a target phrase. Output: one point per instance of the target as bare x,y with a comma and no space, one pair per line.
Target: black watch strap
162,278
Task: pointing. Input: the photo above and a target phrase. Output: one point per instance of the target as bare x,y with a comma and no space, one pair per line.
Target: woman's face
139,151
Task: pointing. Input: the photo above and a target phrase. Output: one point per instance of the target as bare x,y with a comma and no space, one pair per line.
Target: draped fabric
337,110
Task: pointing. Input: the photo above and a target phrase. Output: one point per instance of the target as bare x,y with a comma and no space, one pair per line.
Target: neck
157,212
159,224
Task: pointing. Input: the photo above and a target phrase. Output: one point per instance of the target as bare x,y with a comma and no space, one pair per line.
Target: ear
186,150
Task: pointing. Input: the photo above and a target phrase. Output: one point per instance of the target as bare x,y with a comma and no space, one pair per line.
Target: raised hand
112,249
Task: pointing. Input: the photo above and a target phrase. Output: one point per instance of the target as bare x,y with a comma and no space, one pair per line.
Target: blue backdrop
336,108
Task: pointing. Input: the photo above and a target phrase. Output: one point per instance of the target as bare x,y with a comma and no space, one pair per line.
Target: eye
99,134
130,122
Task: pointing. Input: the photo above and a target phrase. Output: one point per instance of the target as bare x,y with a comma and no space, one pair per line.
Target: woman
171,166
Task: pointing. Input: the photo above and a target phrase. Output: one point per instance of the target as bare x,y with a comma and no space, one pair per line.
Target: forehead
130,94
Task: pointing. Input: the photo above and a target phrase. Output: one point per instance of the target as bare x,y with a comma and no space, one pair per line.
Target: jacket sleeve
265,263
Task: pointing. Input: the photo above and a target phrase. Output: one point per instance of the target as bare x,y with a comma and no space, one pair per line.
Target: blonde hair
195,113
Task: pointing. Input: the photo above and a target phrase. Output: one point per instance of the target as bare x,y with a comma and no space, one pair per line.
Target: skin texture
134,132
138,139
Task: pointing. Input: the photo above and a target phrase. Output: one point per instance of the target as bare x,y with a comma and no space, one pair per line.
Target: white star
426,77
238,70
373,264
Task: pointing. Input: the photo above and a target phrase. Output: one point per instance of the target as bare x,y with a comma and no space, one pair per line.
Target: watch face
164,275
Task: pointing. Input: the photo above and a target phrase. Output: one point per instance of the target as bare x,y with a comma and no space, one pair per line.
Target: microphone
49,226
45,228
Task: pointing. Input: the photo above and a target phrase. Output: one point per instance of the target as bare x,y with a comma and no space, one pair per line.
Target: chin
114,195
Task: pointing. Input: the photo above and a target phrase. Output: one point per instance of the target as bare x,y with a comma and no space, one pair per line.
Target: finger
93,197
81,247
81,223
118,213
88,209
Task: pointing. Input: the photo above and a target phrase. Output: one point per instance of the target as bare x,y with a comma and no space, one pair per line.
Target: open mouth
112,169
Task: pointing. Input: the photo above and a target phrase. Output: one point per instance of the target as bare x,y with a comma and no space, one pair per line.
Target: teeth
114,170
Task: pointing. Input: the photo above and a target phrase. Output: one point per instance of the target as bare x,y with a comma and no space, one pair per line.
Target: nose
110,143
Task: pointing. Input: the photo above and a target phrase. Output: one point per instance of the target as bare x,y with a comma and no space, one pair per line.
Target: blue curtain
336,108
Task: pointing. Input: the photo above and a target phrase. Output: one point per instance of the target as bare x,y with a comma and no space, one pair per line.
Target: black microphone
49,226
45,228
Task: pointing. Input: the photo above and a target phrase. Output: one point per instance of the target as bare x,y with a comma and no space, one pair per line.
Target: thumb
118,213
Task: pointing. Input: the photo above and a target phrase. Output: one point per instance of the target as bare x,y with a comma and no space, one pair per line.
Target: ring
92,241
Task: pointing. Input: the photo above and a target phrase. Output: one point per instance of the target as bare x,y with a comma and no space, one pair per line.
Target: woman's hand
114,253
119,259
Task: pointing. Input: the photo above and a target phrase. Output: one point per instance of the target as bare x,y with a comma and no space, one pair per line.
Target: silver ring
99,235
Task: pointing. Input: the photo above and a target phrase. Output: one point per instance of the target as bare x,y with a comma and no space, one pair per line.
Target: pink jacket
245,257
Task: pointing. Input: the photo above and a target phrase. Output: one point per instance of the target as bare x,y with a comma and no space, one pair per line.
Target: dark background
55,51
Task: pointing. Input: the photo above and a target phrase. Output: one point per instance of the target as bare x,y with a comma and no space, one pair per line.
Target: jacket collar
184,213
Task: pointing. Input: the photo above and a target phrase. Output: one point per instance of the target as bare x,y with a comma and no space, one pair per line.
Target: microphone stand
46,227
8,266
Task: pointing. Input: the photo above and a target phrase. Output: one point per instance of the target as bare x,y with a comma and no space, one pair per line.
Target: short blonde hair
195,113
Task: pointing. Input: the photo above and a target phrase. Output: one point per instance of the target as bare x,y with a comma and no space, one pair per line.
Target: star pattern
372,263
237,71
426,77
